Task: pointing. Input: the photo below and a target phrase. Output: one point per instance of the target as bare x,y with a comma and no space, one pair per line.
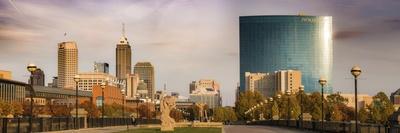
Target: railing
331,126
20,125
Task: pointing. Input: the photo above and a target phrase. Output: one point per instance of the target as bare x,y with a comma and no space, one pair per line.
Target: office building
38,77
206,92
132,83
395,99
363,100
123,57
67,64
146,73
101,67
288,80
5,75
54,83
272,43
261,82
142,90
112,95
12,91
89,79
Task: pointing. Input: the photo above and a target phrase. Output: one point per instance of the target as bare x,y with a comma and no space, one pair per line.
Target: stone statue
166,105
200,106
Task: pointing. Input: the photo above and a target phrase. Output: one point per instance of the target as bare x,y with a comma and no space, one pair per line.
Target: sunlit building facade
272,43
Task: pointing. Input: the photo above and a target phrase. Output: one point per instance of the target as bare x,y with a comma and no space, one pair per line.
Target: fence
21,125
331,126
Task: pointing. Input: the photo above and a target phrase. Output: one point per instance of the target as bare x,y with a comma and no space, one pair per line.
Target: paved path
259,129
112,129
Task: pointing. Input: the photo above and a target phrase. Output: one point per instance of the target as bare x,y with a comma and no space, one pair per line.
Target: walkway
259,129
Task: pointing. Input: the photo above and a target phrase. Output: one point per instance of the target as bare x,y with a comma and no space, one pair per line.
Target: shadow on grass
177,130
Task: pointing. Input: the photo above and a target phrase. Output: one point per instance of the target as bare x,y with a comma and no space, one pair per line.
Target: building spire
123,29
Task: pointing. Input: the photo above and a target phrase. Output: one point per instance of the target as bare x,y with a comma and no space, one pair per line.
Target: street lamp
123,107
272,104
279,111
148,109
356,71
76,79
288,107
301,88
31,68
322,82
102,85
137,105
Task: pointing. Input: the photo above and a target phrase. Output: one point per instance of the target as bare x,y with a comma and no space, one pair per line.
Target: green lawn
177,130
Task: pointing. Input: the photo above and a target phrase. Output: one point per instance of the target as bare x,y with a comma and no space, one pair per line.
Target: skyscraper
146,73
38,77
101,67
67,64
272,43
123,57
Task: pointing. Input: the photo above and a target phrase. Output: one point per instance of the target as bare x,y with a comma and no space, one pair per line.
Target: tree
91,109
175,114
381,108
245,101
363,115
145,111
222,114
333,101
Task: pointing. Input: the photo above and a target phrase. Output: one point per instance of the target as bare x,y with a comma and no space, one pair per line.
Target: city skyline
177,44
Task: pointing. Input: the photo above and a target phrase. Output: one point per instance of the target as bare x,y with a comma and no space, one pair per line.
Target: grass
177,130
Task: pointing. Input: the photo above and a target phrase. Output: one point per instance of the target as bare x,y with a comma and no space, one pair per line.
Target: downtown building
5,75
101,67
206,92
272,43
270,84
89,79
67,64
146,73
38,77
123,58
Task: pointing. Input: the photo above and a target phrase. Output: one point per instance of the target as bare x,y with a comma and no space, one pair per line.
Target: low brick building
112,95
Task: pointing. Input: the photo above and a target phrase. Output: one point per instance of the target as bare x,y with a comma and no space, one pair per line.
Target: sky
188,40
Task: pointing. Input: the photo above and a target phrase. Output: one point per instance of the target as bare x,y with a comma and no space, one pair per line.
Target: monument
200,106
166,105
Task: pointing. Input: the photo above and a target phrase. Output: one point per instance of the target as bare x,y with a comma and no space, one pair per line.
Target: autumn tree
381,108
245,101
91,109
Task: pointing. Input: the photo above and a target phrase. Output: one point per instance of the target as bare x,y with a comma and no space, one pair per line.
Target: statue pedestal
166,128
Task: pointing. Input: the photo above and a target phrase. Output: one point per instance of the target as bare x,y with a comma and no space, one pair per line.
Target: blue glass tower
271,43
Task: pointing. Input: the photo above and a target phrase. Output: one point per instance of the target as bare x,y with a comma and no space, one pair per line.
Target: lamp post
301,105
148,109
272,104
123,108
137,105
288,107
76,79
31,68
279,111
322,82
356,71
103,85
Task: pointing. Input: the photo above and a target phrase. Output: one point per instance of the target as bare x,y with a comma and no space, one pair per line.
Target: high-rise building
132,83
89,79
123,57
146,73
38,77
54,83
101,67
67,64
272,43
261,82
5,75
288,80
207,92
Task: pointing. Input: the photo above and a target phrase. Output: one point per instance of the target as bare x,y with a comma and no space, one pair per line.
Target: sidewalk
112,129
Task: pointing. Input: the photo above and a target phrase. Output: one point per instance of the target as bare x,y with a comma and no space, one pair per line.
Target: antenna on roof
123,29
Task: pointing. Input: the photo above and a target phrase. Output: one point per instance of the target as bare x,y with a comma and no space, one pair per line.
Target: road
259,129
